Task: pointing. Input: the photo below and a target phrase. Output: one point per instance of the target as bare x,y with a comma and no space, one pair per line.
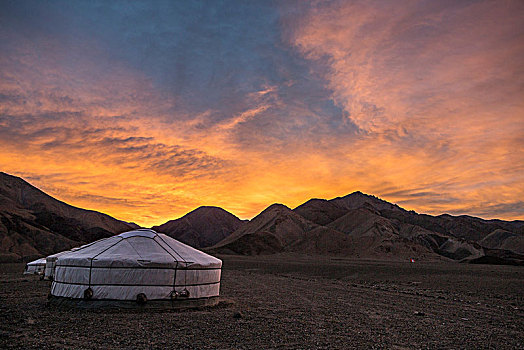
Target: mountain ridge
34,224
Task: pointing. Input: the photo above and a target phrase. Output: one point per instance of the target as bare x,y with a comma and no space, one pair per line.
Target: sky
147,110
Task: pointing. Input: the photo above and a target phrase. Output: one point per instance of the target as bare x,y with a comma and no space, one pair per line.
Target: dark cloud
211,56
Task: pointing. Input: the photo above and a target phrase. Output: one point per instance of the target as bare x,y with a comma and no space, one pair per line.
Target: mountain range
365,226
358,225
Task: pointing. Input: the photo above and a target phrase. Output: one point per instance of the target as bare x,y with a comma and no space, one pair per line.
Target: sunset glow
146,111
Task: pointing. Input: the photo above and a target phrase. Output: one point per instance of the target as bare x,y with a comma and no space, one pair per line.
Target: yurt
140,265
50,263
51,260
36,267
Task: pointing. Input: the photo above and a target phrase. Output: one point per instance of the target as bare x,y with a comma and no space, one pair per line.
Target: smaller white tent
50,263
36,267
138,265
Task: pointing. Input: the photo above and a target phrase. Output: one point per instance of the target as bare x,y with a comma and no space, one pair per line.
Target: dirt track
305,303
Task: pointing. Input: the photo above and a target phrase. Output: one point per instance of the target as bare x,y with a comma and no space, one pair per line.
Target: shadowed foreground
292,302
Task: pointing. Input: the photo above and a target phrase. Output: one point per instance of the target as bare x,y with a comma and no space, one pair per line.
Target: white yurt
50,263
36,267
139,265
51,260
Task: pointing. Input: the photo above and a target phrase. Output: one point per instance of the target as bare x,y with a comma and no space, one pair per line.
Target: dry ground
292,302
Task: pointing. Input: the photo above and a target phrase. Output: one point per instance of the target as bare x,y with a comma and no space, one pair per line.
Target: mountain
279,229
322,211
358,199
34,224
270,231
365,226
203,227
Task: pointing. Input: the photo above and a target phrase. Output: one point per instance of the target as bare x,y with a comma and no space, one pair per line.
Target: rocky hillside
365,226
34,224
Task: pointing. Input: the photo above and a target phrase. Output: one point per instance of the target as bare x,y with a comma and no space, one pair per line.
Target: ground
292,302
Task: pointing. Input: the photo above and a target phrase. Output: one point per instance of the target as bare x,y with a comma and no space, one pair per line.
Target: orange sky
145,112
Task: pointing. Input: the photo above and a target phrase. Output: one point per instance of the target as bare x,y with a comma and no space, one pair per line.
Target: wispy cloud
435,89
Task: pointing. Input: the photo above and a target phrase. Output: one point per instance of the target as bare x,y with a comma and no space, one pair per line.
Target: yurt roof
40,261
141,247
56,255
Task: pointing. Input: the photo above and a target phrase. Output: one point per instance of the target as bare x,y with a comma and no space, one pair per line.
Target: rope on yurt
89,290
171,248
176,267
175,260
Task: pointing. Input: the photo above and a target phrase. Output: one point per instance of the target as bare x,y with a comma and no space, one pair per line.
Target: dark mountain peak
202,227
358,199
276,207
358,193
277,213
206,210
274,215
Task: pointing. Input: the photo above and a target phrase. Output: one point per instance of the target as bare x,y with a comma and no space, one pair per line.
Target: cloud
433,88
146,111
